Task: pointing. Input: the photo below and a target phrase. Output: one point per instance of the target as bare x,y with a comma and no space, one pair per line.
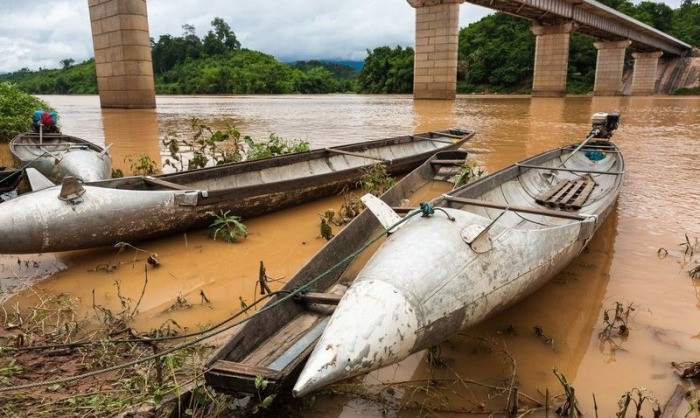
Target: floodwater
657,208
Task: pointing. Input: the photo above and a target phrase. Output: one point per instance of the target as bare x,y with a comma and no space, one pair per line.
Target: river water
657,208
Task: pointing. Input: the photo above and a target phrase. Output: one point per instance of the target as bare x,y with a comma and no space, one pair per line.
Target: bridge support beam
122,53
644,75
551,59
609,66
435,62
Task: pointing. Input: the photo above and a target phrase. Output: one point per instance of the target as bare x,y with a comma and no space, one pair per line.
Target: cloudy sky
41,33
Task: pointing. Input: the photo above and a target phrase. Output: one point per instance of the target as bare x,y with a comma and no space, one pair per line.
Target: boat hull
426,284
137,208
274,344
57,156
485,247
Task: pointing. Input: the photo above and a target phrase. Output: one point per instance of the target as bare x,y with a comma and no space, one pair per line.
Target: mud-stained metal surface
656,208
139,208
456,264
59,155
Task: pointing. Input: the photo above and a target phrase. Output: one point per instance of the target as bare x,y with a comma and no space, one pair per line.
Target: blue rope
426,209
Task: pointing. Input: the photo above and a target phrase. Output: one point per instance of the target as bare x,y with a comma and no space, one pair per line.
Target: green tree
686,22
498,50
16,109
387,71
582,59
66,63
221,40
657,15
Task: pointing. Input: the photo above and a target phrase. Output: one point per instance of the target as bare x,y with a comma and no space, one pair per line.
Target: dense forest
495,55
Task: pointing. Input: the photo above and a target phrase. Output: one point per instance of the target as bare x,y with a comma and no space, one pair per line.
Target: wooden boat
9,181
76,216
482,248
274,343
56,156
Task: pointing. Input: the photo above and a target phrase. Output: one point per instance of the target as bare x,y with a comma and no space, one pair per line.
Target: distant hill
357,65
344,70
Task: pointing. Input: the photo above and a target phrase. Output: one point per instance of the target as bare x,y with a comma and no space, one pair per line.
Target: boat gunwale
69,139
240,345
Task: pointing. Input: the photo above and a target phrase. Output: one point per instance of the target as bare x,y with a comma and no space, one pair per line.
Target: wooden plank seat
567,194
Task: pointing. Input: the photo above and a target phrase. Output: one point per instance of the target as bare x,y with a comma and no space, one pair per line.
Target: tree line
495,54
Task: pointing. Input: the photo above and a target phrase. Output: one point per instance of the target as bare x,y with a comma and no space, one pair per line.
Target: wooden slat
545,195
573,192
166,184
322,298
515,208
576,204
444,141
357,154
447,134
235,377
447,162
571,170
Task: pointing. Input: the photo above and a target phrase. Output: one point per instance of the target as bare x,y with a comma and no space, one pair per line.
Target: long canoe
274,343
56,156
481,248
77,216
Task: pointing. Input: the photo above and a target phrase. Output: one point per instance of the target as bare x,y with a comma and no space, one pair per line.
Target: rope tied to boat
428,210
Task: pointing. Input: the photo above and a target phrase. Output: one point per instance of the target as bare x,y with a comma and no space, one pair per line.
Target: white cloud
41,33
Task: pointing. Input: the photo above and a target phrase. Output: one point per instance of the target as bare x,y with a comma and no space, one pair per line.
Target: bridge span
125,72
437,29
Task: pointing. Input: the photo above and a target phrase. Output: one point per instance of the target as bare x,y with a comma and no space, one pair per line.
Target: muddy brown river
658,207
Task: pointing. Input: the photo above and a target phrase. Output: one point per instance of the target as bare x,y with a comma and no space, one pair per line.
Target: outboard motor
604,124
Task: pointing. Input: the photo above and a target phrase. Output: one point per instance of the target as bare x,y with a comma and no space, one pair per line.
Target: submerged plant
351,207
638,396
228,226
617,323
688,247
325,225
570,406
376,180
207,147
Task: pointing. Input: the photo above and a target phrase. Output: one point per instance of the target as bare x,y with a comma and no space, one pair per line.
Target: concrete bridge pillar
435,62
551,59
609,66
644,74
122,53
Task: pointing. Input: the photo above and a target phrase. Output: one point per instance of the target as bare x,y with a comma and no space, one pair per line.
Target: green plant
228,226
469,172
262,403
351,207
376,180
274,146
16,109
325,225
206,146
143,165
